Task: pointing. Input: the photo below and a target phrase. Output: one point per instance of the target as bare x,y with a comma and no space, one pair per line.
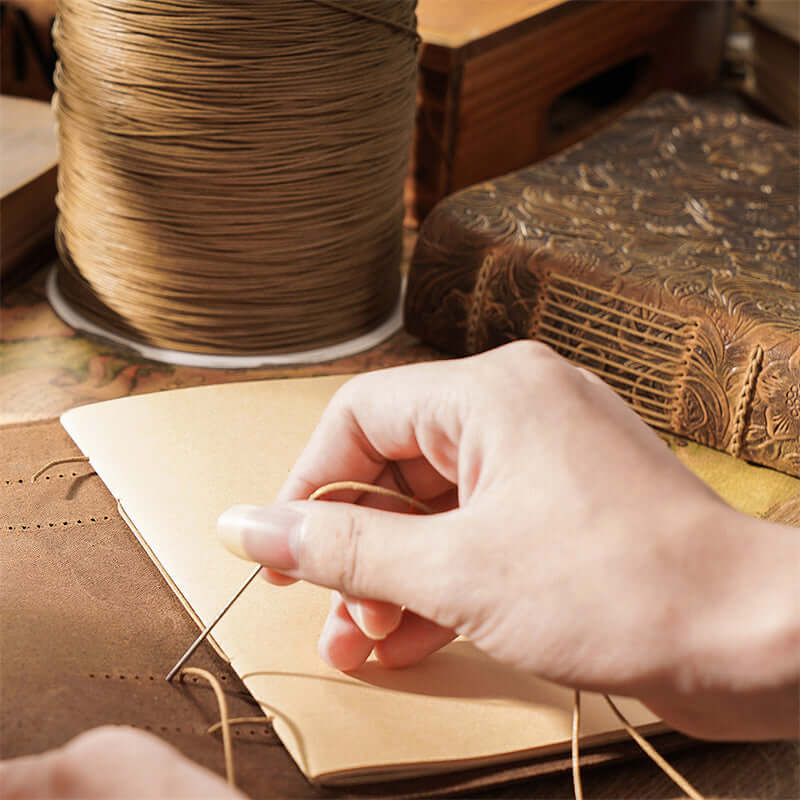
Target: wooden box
503,84
775,69
28,158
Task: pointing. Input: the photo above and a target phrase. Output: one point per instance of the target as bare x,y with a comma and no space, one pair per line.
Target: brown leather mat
88,628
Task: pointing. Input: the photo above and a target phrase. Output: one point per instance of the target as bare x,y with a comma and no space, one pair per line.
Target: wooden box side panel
487,108
507,92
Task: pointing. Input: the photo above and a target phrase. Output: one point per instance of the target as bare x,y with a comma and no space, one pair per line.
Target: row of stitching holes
55,524
203,731
46,477
163,728
235,730
109,676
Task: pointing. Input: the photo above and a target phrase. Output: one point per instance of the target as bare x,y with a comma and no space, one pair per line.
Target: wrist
737,662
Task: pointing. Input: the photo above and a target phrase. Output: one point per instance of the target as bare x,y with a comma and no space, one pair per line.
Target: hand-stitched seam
17,481
148,676
640,351
745,397
475,313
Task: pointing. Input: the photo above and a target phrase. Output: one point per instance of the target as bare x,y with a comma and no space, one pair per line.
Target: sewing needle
204,633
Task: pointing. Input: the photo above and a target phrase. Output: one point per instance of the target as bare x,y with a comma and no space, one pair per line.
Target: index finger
397,414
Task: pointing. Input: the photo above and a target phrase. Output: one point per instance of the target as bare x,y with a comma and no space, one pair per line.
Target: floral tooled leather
681,210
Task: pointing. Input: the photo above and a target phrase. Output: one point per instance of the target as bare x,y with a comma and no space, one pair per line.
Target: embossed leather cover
662,254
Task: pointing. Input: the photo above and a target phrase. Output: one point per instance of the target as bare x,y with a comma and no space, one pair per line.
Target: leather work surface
88,628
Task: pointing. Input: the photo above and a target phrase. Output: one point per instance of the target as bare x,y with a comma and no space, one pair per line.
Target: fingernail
356,611
265,534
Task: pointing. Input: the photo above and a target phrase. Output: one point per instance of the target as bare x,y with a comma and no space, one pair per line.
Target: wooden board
28,160
455,23
775,66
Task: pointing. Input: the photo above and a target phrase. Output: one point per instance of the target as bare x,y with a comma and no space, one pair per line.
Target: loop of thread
231,173
225,723
357,486
55,462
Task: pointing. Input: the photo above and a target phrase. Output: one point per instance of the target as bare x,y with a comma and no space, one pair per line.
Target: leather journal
661,253
88,626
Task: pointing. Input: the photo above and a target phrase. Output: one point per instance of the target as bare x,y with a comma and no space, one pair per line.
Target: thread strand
55,462
224,720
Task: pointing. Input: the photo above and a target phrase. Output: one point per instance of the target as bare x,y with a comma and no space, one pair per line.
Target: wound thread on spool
231,174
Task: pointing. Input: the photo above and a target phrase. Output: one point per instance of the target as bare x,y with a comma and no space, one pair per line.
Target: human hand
111,763
568,542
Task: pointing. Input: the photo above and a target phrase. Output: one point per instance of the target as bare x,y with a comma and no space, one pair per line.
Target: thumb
404,559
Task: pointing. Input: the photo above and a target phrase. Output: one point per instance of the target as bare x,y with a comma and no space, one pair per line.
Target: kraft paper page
175,460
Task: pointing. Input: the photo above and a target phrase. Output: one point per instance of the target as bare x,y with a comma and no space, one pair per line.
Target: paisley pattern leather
662,253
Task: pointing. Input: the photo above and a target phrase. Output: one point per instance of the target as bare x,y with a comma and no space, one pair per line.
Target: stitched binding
638,350
745,397
478,300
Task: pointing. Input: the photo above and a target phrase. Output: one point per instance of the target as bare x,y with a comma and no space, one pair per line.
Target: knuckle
346,395
348,549
529,349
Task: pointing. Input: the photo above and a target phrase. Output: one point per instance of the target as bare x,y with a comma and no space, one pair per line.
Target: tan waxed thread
478,302
56,462
641,352
225,723
577,785
668,769
742,407
262,720
227,745
60,475
368,488
231,175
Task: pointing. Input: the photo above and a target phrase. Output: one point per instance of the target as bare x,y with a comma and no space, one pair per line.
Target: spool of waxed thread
231,171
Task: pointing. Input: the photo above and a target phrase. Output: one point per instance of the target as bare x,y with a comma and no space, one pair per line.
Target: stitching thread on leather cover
17,481
746,395
57,462
478,300
640,351
259,726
